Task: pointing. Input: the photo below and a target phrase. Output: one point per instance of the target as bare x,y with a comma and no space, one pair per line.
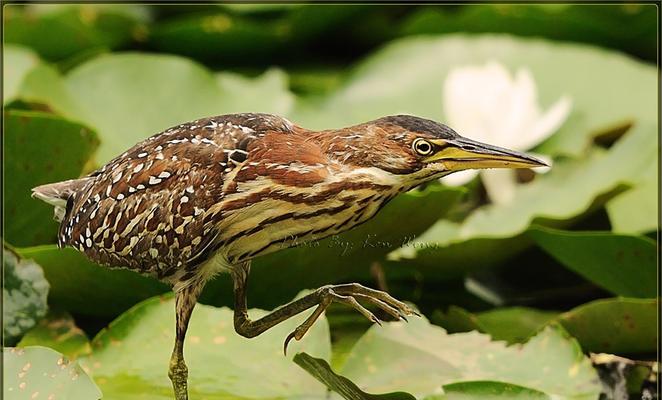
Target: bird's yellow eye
422,147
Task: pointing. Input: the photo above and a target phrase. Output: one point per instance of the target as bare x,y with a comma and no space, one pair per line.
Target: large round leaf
37,372
128,97
421,358
18,61
625,265
619,325
130,358
39,148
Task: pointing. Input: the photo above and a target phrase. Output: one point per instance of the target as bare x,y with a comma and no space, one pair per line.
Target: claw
402,317
377,321
287,341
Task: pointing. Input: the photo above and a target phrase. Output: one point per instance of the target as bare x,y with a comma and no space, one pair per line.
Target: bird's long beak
462,153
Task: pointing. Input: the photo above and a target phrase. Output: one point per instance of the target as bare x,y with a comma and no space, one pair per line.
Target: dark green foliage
39,148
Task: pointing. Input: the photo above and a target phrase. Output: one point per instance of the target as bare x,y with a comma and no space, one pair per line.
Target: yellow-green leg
185,300
348,294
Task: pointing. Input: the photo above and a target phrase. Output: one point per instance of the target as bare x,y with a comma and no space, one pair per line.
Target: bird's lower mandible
210,195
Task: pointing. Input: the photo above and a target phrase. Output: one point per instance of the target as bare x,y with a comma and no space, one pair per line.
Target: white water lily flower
486,103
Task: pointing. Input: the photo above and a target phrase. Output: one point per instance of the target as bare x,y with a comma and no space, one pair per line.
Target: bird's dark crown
419,125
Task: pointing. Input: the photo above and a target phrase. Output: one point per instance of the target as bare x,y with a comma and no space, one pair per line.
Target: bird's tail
57,194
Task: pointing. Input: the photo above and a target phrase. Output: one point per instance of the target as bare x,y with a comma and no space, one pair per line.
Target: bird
208,196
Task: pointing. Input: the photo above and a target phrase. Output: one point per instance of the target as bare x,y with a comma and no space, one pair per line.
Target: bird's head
421,149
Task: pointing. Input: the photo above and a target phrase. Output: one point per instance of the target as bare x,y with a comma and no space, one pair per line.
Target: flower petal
500,184
548,123
459,178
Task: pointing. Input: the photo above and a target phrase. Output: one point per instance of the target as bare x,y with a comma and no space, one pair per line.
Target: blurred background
569,252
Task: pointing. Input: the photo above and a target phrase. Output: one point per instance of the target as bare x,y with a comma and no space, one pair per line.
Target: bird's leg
185,300
348,294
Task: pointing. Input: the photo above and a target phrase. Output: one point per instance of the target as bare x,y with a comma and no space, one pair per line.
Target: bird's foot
350,294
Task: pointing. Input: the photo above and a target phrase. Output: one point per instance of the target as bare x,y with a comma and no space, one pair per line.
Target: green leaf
162,90
110,88
59,332
57,31
561,22
636,211
624,265
456,319
131,356
479,390
80,286
45,86
18,61
321,370
39,372
514,324
24,294
220,36
240,93
421,358
616,326
39,148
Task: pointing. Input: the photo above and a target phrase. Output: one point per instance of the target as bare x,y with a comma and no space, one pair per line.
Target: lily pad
24,293
59,332
514,324
18,61
130,358
479,390
636,211
39,148
625,265
44,87
511,324
422,358
240,93
110,88
39,372
617,326
163,90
